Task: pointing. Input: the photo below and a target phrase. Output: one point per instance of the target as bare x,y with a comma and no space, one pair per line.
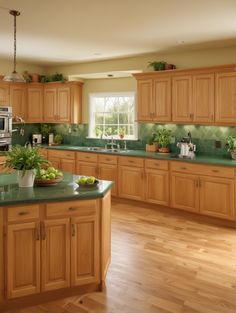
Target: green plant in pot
152,145
45,130
27,161
164,137
58,139
157,65
231,146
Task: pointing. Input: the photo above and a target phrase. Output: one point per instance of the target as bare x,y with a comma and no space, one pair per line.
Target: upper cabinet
62,102
194,96
35,103
4,93
18,99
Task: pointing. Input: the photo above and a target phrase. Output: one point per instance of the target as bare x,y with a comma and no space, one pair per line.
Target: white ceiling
58,31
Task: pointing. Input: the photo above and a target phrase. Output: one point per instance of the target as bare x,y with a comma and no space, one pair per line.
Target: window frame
111,94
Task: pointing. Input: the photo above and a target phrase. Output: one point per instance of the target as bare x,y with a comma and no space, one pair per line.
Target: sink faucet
27,145
112,144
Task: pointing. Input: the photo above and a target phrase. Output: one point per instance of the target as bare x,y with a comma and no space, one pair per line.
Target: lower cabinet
109,172
87,169
62,160
157,186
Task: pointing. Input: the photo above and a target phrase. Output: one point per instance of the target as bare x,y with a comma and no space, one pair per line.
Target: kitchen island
54,241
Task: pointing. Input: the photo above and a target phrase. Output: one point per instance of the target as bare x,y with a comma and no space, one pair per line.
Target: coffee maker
187,148
36,139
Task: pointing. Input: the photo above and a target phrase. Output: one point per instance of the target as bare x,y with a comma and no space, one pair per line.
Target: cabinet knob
72,208
23,213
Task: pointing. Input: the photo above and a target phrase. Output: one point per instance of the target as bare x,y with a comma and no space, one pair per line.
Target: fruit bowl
48,182
87,182
85,186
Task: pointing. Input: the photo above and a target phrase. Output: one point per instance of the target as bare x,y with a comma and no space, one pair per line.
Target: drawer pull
157,164
37,233
73,230
215,171
43,231
23,213
107,159
130,161
72,208
183,168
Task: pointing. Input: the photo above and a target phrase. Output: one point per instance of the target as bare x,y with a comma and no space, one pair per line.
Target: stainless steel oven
5,122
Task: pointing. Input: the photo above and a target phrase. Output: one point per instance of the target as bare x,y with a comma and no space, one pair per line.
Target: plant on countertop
152,143
58,139
45,130
231,146
164,137
23,159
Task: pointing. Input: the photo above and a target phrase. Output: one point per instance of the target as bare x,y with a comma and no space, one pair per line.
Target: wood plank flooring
162,262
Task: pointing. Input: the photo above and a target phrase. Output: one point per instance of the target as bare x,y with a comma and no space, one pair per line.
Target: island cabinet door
85,262
23,259
55,254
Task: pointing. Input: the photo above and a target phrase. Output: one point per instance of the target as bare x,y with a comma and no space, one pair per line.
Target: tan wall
6,66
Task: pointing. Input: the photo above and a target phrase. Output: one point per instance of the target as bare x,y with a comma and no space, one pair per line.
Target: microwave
5,121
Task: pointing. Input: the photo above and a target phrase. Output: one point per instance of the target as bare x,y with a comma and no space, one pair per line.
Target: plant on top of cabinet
164,136
231,146
157,65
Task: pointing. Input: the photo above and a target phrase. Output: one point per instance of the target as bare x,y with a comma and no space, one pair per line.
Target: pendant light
14,76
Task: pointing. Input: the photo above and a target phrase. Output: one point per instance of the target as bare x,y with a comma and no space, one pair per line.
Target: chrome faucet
27,145
112,144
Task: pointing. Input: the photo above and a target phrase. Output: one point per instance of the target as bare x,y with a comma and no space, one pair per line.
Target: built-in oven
5,143
5,122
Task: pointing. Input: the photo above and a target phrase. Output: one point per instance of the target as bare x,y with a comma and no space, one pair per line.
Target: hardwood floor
162,262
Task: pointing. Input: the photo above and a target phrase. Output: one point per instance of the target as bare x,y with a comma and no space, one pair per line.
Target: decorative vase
233,155
26,179
151,148
164,150
35,78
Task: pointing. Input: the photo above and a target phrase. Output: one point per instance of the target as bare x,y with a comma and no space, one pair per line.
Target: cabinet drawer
129,161
216,171
44,153
22,213
107,159
65,154
156,164
78,208
84,156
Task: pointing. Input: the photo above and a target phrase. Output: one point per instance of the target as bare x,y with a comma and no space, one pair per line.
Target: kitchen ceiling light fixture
14,76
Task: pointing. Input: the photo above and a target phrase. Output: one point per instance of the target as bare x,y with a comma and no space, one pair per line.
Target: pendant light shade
14,76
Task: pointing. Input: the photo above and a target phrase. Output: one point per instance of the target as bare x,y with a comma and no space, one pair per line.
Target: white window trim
111,94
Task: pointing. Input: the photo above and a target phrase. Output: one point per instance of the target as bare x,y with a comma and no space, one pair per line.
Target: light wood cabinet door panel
145,100
23,259
86,169
109,172
2,287
4,94
203,98
67,166
217,197
162,99
85,262
35,104
55,162
131,183
225,98
182,99
55,254
18,100
50,105
64,104
184,192
157,186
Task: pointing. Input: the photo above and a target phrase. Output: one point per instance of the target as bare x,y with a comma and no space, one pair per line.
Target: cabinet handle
157,164
43,231
183,168
196,183
215,171
130,161
23,213
200,183
37,233
73,230
72,208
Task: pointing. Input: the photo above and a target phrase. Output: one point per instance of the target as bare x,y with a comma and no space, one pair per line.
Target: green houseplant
164,136
26,161
58,139
231,146
152,145
157,65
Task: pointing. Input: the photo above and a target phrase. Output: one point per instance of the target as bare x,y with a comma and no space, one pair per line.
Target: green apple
82,180
42,172
52,176
90,180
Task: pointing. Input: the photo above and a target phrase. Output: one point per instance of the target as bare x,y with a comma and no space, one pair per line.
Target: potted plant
26,161
157,65
121,133
152,145
164,136
45,130
231,146
57,139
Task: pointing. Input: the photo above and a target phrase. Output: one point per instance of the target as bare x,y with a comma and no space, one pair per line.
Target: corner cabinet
62,102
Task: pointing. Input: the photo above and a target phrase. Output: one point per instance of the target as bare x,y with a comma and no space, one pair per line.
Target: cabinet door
55,254
18,99
64,104
23,260
67,165
145,100
162,99
184,192
182,99
109,172
1,257
86,169
203,98
225,98
85,260
217,197
55,162
50,105
4,94
157,186
131,182
35,104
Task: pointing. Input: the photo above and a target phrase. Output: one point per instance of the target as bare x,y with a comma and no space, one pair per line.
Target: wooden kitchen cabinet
4,94
225,100
50,104
85,263
157,186
55,254
1,257
145,100
18,99
23,259
64,105
62,159
108,170
87,164
34,103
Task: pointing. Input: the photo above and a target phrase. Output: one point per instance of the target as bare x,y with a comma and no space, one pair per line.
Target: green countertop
10,193
202,159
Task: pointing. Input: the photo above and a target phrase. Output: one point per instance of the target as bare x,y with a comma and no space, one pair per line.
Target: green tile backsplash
203,136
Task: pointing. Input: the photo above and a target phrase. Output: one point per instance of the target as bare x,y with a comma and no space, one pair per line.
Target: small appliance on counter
36,139
187,148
